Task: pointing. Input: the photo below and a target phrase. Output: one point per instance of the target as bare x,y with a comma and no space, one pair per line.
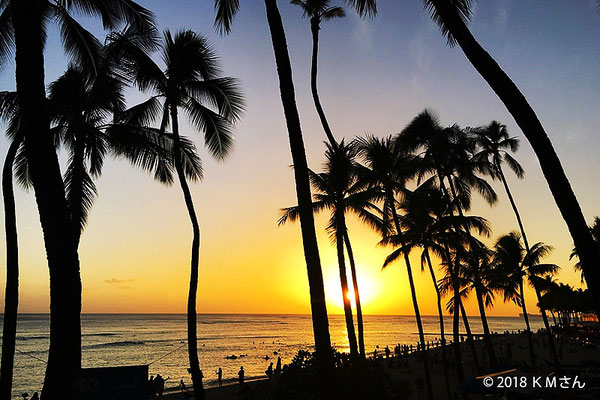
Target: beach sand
577,358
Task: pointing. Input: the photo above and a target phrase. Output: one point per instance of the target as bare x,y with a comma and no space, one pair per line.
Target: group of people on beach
156,386
270,372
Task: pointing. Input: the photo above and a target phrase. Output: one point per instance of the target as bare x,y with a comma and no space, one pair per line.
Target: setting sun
367,287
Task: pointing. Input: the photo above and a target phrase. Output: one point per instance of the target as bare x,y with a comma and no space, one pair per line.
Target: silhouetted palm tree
513,263
8,112
24,25
338,190
389,170
226,10
213,104
317,11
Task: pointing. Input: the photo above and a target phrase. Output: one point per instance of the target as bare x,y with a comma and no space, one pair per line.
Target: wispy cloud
363,33
115,281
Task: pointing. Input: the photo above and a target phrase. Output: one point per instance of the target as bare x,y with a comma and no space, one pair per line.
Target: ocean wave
116,344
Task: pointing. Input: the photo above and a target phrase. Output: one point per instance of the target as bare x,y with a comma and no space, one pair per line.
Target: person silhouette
278,367
269,371
219,376
182,385
241,375
35,396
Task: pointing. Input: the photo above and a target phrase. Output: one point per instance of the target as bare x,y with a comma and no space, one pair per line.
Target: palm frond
225,12
218,134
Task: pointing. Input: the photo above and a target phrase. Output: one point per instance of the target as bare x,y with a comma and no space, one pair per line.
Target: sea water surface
160,341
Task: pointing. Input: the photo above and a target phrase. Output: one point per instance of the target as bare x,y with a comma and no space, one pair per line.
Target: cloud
363,33
115,281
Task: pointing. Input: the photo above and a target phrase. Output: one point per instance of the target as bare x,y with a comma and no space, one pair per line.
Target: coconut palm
338,190
190,82
8,112
388,169
514,264
225,12
477,272
495,146
23,27
317,11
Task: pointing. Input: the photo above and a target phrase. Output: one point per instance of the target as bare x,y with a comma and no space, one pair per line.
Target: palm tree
513,263
477,272
8,112
317,11
213,104
423,229
225,12
494,145
23,25
389,170
338,190
452,17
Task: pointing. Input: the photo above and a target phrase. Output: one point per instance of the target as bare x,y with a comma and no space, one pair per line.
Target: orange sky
375,77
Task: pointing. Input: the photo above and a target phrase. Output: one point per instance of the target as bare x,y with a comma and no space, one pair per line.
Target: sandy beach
577,359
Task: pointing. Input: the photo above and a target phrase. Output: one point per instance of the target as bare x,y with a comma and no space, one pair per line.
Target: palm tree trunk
532,128
460,375
359,315
551,343
413,293
486,329
11,297
307,223
470,339
441,316
315,23
192,323
526,317
64,357
339,238
514,205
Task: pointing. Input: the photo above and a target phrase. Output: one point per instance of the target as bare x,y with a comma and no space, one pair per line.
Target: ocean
159,340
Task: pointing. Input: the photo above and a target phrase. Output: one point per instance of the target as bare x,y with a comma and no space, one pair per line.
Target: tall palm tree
190,82
8,112
389,170
225,12
514,264
317,11
23,25
495,144
338,190
477,272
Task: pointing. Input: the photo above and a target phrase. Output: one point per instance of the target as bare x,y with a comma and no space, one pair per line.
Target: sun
367,288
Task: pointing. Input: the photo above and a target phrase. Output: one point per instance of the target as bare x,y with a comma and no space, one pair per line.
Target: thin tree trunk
514,206
307,223
11,297
551,343
470,339
486,329
192,323
533,130
441,316
340,232
526,317
413,293
315,23
460,375
64,357
359,315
